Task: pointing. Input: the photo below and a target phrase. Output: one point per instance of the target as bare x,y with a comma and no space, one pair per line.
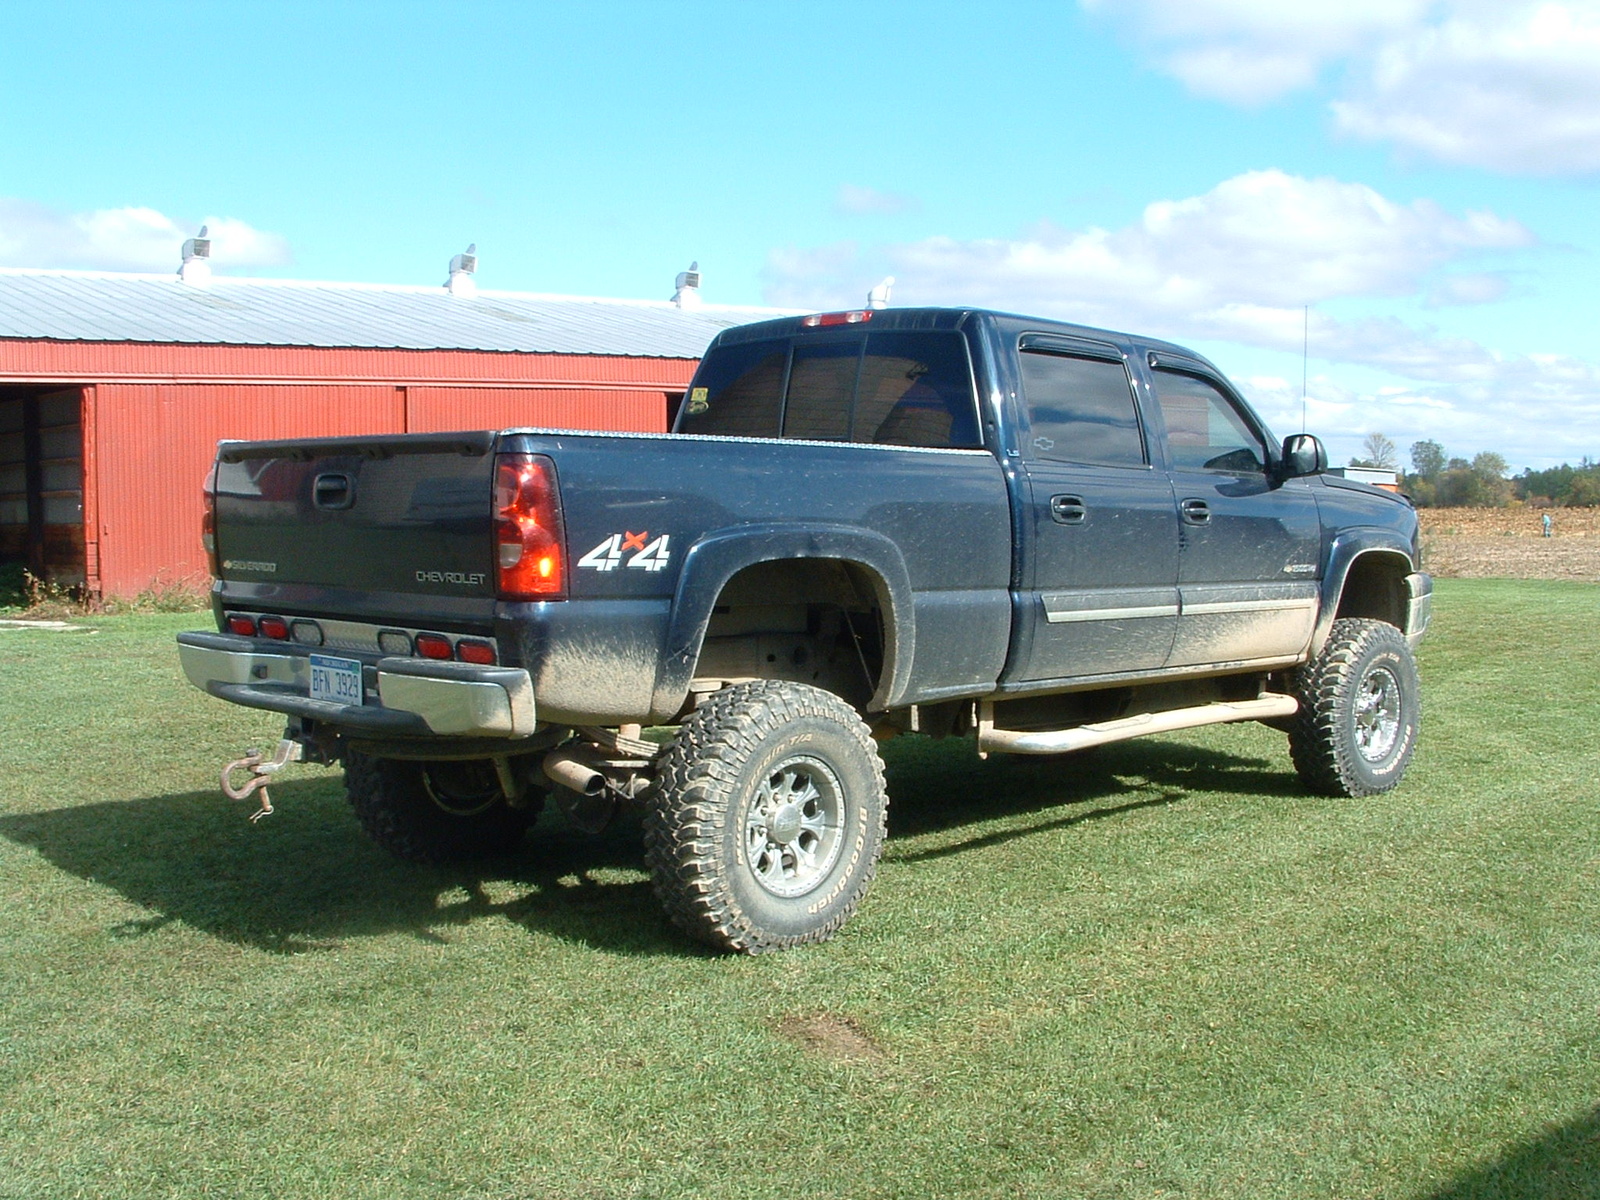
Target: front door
1250,545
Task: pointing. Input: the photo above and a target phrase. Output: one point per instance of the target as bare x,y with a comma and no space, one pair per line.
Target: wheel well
808,620
1375,586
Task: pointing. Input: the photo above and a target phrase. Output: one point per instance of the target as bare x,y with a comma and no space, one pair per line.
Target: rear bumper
415,697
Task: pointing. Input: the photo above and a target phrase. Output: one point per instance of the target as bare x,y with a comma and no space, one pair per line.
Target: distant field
1157,969
1508,543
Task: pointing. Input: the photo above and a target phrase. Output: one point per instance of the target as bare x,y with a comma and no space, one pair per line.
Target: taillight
274,627
242,625
855,317
208,523
432,645
481,653
528,548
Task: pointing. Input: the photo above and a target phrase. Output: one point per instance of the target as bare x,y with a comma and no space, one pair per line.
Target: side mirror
1303,454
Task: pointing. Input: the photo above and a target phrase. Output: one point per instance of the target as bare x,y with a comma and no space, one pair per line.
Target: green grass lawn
1157,969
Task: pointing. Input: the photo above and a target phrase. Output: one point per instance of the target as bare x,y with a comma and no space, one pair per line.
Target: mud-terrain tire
768,818
1360,708
435,812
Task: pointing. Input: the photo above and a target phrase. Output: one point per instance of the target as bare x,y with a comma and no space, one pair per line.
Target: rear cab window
887,387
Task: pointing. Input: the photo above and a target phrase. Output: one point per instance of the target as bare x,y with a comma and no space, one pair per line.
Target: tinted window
916,390
737,391
821,382
1081,410
892,388
1205,430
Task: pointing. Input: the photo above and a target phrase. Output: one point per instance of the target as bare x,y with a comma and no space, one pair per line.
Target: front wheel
768,819
1360,706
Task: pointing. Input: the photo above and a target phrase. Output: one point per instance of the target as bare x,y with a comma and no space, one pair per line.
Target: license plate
335,679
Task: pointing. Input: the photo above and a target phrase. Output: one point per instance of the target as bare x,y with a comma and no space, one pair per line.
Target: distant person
1547,523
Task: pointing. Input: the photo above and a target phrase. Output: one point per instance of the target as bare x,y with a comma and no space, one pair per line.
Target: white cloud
1514,89
1511,85
1251,51
125,239
855,200
1245,256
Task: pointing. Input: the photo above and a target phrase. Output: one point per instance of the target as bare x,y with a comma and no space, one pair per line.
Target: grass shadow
306,878
1563,1164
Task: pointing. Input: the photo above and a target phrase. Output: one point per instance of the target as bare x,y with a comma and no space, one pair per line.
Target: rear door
1100,537
1247,567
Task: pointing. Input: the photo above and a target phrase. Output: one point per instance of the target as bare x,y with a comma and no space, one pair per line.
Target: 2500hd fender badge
646,555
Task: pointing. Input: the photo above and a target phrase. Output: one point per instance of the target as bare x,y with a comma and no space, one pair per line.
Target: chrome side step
1060,741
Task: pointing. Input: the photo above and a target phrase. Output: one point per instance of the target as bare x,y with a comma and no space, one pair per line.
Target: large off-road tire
768,818
1360,707
435,812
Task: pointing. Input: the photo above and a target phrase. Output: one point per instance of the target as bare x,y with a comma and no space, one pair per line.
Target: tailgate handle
333,489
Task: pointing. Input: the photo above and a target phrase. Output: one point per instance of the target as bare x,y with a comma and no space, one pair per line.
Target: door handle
1195,512
1068,510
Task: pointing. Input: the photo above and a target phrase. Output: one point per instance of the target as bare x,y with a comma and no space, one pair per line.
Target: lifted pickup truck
933,521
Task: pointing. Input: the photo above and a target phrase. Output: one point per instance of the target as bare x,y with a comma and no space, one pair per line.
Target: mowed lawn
1157,969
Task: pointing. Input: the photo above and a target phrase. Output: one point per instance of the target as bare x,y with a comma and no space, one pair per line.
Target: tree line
1435,479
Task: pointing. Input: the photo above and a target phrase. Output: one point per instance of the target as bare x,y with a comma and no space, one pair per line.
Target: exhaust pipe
572,772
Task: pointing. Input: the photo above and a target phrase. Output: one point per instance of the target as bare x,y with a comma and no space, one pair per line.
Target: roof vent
687,294
878,297
462,268
196,268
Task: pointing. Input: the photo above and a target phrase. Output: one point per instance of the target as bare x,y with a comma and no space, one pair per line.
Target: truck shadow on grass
1563,1164
306,878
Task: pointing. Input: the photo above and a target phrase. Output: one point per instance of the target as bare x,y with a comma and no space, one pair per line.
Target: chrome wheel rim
794,827
1377,714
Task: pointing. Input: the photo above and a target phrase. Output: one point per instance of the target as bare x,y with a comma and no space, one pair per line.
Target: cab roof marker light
853,317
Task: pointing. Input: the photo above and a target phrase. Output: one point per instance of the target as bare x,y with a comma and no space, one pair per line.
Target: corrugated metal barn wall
147,446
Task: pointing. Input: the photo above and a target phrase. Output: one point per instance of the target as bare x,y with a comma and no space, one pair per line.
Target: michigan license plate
335,679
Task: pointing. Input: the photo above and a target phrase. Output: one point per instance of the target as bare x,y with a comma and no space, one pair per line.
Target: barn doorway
41,484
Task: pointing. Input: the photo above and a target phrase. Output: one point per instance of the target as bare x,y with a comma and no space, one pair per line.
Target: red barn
115,388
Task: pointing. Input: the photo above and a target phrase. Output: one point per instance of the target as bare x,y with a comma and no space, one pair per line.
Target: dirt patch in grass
829,1035
1509,543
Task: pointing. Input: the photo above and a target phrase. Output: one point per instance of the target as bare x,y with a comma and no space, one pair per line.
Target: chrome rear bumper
415,697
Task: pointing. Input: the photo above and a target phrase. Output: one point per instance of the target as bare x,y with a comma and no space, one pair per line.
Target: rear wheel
768,819
435,812
1360,707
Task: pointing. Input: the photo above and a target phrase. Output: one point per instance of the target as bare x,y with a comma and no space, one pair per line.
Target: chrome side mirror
1303,454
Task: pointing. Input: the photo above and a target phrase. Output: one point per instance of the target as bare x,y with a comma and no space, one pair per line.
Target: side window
1205,430
1081,410
737,391
916,390
821,382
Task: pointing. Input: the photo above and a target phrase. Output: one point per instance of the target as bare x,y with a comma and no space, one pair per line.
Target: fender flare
721,554
1348,546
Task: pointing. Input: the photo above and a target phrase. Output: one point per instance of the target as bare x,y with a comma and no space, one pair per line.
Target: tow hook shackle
261,770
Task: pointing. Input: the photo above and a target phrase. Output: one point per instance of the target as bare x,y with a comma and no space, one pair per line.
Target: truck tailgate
404,514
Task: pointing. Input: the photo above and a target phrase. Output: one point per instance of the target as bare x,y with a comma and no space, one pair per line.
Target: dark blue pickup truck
934,521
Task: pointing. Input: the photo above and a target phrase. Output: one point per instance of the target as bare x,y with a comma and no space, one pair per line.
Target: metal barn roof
95,306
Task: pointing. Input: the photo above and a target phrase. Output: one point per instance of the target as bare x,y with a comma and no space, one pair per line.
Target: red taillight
208,523
274,627
481,653
242,625
855,317
528,550
431,645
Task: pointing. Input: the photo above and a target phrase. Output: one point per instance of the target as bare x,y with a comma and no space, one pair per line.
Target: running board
1060,741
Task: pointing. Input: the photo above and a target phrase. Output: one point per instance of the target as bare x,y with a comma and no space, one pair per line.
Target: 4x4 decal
646,555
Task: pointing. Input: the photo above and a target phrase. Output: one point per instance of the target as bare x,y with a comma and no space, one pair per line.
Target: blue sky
1421,174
